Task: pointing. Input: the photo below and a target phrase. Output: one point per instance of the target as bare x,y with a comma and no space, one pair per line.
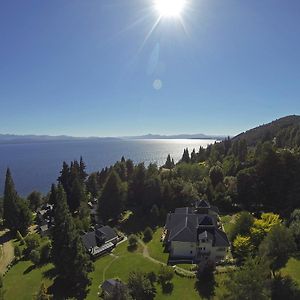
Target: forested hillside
285,131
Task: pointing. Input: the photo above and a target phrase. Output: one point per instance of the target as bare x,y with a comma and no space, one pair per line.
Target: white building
193,234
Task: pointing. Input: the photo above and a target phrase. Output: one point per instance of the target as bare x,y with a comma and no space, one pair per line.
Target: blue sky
83,67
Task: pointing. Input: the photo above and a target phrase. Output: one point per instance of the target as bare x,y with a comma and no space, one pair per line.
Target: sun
169,8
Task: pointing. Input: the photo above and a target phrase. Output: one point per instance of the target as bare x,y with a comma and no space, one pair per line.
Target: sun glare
170,8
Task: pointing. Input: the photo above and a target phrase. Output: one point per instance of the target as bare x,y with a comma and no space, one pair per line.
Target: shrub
165,274
17,251
132,240
45,251
35,256
152,277
33,241
148,234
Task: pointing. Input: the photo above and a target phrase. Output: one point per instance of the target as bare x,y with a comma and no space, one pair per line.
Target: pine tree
111,202
35,200
137,185
169,163
11,210
16,214
52,196
193,156
77,196
92,185
64,178
82,167
186,156
69,256
25,216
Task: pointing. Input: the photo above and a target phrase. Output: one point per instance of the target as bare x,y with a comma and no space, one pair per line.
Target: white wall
183,249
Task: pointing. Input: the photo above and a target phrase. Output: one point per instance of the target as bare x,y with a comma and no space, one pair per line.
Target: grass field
155,247
23,281
227,222
123,262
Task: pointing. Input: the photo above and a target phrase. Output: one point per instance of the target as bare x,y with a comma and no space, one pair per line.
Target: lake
35,166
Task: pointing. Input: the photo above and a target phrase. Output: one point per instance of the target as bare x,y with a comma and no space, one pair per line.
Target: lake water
35,166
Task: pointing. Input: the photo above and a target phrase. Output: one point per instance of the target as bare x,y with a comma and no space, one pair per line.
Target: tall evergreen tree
17,216
52,196
64,178
193,156
92,185
137,185
186,156
11,210
69,256
169,163
35,200
82,172
77,195
111,202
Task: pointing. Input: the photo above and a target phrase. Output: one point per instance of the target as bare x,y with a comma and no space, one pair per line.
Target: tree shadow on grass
7,236
137,222
29,269
132,248
61,290
167,288
50,274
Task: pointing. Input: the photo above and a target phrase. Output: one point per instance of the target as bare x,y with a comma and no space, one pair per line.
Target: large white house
194,234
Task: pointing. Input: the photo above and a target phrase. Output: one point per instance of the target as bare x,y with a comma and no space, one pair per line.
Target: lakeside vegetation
253,181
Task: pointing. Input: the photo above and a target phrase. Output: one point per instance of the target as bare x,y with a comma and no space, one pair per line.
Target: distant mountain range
19,139
178,136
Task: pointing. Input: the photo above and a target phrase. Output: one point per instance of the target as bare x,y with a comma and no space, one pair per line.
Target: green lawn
23,281
155,247
125,262
227,222
292,269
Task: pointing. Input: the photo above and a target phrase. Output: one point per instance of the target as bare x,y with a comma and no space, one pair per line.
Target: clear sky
90,67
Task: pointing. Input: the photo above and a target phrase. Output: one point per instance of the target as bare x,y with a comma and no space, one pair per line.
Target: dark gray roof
203,204
109,284
184,210
186,226
98,237
205,220
89,240
221,239
106,232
